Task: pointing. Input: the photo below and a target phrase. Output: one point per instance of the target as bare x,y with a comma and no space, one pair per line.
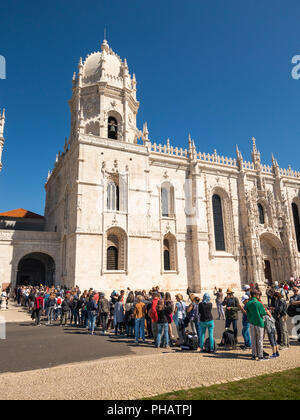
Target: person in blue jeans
92,308
139,315
206,323
246,325
162,324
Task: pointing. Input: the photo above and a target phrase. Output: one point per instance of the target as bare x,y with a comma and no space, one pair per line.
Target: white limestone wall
14,245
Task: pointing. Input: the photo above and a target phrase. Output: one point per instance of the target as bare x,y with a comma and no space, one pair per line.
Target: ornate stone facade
127,212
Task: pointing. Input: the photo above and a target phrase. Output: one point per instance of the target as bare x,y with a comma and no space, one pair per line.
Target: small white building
123,211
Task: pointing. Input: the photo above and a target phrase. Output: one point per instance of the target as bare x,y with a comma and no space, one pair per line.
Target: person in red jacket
38,308
153,315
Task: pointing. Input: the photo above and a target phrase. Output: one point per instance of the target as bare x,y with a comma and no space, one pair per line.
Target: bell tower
104,100
2,123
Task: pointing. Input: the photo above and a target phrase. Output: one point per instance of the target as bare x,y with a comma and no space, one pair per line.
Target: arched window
112,128
167,262
116,249
112,258
167,200
113,196
169,253
218,223
296,223
261,214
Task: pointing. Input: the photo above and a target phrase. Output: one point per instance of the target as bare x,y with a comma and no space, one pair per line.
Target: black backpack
191,341
292,311
207,346
228,338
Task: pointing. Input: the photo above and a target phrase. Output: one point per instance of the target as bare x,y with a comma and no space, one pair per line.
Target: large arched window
167,200
113,196
116,250
296,223
261,214
218,223
112,128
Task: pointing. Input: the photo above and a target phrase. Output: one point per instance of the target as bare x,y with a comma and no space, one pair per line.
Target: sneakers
274,356
263,359
283,348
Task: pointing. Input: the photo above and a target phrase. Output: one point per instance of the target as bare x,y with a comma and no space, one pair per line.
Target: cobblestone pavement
134,377
126,372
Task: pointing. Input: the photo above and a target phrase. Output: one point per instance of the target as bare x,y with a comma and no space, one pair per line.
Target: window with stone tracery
296,223
116,250
167,200
113,196
218,223
261,214
169,253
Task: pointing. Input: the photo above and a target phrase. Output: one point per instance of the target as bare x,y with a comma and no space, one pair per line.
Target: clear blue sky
218,69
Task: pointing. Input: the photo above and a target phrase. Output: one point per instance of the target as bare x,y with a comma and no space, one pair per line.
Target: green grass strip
277,386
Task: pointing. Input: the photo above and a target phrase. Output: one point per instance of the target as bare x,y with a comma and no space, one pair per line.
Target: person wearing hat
246,324
247,290
232,307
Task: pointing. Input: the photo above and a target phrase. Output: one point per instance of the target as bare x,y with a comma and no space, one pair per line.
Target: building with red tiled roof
20,214
21,219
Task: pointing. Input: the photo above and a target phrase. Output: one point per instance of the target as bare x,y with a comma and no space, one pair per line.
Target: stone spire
2,124
192,149
240,159
256,155
275,165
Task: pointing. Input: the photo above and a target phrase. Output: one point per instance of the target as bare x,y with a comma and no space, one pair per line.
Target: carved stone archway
272,258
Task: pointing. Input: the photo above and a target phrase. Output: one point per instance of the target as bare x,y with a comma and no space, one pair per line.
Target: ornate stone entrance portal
272,258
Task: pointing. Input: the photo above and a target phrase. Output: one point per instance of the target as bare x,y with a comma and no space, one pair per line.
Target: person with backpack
255,313
103,312
180,318
206,323
270,327
169,304
162,324
51,303
139,317
65,311
129,316
38,308
57,308
232,306
82,305
119,316
92,308
191,312
280,316
246,325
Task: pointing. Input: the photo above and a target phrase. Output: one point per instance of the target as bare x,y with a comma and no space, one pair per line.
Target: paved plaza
67,363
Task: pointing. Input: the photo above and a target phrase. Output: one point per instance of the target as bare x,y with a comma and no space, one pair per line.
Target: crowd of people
152,315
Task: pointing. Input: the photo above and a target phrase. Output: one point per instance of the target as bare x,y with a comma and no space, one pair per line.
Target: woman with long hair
169,304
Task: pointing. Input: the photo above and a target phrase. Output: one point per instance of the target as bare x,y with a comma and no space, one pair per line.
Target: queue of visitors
141,315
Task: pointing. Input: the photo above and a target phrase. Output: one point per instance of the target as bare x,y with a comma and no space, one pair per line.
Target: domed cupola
104,97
